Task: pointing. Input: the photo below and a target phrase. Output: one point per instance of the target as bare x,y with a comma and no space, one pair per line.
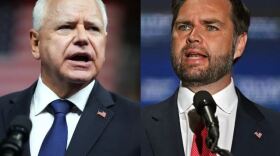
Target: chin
78,79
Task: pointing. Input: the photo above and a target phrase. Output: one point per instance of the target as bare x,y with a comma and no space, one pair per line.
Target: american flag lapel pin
258,134
101,113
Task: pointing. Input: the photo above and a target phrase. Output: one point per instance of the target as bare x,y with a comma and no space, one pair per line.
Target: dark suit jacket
115,135
162,134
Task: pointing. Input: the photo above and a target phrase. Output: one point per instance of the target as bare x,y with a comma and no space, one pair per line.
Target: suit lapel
166,134
91,124
19,105
251,131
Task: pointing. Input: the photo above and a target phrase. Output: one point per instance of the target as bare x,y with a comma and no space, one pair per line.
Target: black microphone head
18,134
202,99
21,123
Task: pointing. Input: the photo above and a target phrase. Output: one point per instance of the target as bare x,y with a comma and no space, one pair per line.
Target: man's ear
240,45
34,42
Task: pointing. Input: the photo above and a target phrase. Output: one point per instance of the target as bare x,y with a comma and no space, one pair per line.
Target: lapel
165,132
250,122
91,125
19,104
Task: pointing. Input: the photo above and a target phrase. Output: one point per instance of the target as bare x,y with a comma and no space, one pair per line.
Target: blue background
256,74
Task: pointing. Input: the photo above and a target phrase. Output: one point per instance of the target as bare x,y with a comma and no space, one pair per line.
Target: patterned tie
55,141
199,147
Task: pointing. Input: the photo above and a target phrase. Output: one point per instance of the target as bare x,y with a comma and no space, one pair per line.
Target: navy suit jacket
162,133
115,135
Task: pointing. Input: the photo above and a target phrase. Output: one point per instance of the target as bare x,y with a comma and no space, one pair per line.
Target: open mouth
83,57
195,55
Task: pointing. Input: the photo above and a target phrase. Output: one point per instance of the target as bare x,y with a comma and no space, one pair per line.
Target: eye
93,28
184,27
212,28
65,27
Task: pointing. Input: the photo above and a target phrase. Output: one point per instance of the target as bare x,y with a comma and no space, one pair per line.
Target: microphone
206,107
18,134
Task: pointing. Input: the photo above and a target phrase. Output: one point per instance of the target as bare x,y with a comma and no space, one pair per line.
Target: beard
194,76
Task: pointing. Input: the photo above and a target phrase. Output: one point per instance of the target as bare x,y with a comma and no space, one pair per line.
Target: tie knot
61,106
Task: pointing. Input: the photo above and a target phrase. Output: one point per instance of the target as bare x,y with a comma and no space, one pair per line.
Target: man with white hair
71,113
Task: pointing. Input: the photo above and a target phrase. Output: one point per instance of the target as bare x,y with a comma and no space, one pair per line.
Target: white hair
39,12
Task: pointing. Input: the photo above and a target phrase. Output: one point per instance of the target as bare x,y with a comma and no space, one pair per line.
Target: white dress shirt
43,120
226,101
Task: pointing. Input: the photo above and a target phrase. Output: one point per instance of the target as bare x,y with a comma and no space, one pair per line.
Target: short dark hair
240,14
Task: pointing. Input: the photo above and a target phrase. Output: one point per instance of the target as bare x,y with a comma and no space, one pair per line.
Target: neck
64,89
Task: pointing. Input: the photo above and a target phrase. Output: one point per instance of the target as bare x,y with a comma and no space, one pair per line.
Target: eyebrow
204,21
213,21
183,22
69,22
86,22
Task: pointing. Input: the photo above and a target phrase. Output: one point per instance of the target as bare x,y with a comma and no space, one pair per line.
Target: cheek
60,44
53,50
219,45
99,45
177,46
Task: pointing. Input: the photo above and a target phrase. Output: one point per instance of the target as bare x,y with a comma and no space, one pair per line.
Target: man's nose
81,38
194,36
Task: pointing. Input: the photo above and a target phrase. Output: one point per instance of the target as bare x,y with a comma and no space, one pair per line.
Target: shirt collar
225,99
43,96
185,99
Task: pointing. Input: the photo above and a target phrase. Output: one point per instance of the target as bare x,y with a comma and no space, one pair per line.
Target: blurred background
121,72
257,74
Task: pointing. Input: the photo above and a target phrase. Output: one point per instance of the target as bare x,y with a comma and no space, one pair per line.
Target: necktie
199,147
55,141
